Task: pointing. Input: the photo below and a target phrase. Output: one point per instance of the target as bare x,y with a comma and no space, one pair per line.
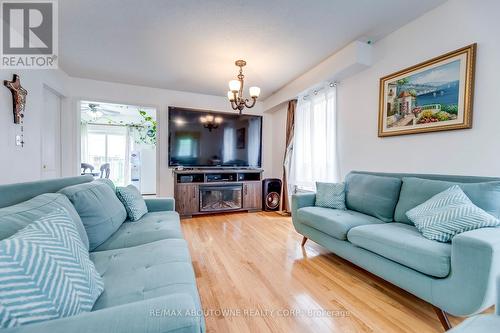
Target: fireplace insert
220,197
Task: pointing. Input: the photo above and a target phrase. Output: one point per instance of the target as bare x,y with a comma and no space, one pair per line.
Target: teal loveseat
149,282
374,233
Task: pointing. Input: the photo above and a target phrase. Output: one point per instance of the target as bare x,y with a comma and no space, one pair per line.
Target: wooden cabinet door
187,199
252,195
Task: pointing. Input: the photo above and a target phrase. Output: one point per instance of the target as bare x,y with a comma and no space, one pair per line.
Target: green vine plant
146,129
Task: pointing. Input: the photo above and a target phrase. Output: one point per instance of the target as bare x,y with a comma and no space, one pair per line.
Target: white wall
475,151
24,164
161,99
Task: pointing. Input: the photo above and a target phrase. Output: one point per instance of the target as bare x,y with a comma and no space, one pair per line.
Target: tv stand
208,191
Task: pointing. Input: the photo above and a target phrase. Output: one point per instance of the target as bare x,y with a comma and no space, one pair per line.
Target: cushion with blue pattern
46,273
448,214
330,195
133,201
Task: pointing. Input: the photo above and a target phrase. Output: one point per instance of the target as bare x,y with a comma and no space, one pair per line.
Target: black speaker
271,194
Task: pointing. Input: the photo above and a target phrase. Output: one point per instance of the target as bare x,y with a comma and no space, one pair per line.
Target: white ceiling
191,45
115,112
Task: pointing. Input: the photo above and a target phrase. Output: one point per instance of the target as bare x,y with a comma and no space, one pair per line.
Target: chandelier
210,122
235,93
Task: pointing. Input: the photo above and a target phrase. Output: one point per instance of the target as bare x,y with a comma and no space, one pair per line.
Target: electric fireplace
215,198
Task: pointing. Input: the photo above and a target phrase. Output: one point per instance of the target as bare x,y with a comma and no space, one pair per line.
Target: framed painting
435,95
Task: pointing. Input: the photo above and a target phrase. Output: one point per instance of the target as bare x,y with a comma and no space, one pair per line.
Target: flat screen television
198,138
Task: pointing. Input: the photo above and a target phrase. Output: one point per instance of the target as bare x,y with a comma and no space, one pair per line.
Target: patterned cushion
46,273
17,217
449,213
133,202
330,195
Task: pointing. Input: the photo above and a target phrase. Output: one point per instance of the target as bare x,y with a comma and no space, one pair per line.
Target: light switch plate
18,140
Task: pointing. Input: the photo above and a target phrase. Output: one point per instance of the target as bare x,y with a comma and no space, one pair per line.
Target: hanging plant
148,129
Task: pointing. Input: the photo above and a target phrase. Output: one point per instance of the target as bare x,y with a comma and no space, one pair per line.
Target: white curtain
228,151
253,142
314,156
84,153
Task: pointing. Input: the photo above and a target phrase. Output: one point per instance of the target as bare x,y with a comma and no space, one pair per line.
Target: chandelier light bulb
234,85
254,92
230,95
218,120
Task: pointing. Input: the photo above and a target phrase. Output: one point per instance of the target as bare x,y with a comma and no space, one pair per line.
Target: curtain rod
316,91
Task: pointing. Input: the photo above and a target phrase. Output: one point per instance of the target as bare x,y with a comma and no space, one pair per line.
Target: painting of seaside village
424,98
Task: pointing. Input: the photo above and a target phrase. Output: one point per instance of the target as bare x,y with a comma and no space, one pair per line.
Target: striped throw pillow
133,202
448,214
46,273
330,195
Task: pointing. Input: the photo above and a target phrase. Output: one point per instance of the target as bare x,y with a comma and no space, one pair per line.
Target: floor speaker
271,194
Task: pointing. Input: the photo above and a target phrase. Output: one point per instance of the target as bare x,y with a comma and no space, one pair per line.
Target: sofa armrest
475,266
300,200
173,313
160,204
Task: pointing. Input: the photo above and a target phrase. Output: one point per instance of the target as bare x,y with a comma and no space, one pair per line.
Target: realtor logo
29,34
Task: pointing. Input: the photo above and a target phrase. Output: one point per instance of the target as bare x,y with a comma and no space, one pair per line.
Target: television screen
213,139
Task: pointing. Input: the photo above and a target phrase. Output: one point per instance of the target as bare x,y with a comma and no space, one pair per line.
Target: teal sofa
375,234
149,282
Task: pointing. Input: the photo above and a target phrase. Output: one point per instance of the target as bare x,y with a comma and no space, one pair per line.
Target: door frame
77,137
62,100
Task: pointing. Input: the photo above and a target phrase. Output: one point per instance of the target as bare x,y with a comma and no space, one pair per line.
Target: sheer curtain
253,142
314,156
228,151
84,153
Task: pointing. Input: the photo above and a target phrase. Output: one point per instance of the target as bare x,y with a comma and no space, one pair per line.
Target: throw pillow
17,217
330,195
99,208
416,191
133,201
46,273
448,214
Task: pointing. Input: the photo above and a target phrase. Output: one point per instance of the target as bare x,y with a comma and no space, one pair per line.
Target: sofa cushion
99,208
145,271
448,214
108,182
48,267
330,195
151,227
15,218
416,191
373,195
133,201
404,244
334,222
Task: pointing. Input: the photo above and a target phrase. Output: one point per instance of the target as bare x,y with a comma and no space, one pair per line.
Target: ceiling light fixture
211,122
235,93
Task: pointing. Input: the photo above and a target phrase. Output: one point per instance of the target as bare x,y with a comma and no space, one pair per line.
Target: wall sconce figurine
18,98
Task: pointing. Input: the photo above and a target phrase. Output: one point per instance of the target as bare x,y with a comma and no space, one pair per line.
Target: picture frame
435,95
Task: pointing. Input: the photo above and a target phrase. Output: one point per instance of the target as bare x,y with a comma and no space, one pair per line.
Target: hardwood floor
253,263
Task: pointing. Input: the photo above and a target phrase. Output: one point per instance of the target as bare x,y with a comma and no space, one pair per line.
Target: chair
85,166
483,323
105,170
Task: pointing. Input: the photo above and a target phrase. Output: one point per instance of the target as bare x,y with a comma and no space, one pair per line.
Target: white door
51,134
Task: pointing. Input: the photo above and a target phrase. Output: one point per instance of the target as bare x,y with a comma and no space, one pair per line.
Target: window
314,155
108,144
